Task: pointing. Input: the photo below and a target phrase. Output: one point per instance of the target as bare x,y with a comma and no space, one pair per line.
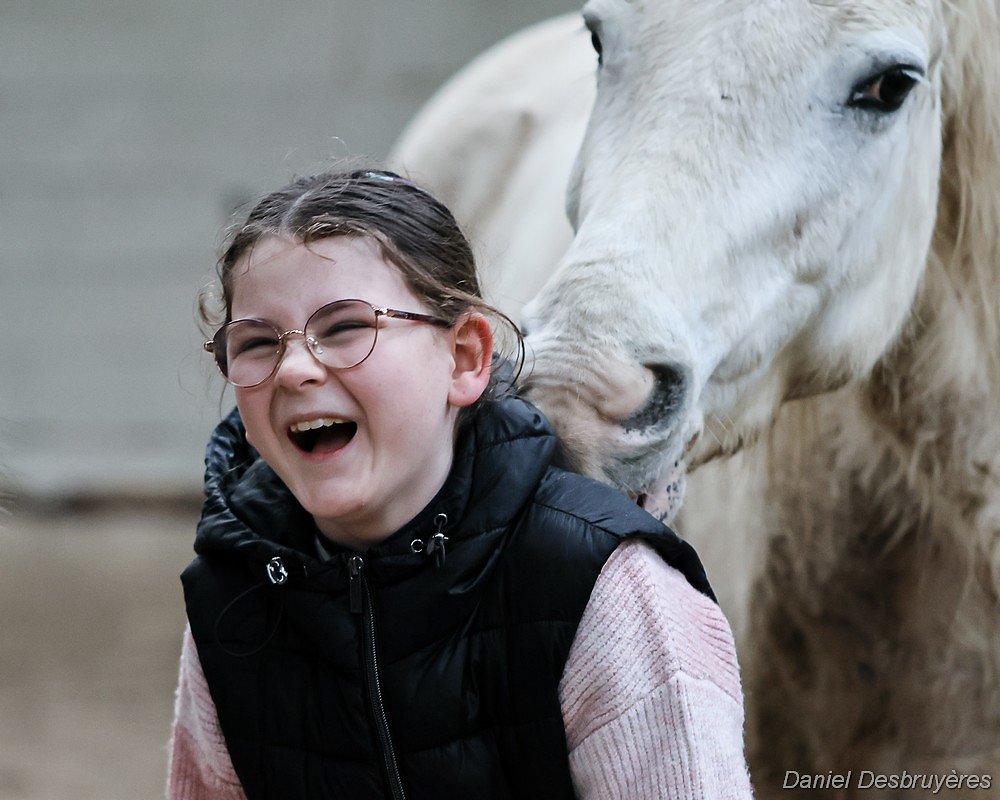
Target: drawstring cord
277,574
435,546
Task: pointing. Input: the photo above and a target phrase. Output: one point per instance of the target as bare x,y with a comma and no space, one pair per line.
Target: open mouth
321,436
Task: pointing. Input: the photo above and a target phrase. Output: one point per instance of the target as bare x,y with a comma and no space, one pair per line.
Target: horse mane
880,512
951,345
962,280
932,400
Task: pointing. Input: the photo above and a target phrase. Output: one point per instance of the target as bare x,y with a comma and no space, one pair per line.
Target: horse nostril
667,398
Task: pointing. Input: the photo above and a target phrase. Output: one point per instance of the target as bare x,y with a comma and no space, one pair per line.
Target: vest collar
501,453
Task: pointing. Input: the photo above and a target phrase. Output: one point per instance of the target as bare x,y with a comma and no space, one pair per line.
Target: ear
473,353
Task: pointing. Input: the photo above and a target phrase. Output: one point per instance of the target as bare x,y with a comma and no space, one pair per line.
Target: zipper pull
354,566
436,544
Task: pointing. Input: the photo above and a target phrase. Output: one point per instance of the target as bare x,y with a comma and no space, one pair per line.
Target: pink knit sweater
651,697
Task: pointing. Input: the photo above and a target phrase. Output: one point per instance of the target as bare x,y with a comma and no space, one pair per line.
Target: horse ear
472,349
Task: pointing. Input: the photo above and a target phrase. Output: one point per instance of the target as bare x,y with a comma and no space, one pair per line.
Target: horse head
753,205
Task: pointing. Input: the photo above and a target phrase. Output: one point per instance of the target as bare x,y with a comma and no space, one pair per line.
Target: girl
396,593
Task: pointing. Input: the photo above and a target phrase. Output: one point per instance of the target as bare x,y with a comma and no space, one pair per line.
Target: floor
91,629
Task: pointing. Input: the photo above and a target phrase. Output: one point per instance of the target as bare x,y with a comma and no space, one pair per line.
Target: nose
665,401
297,364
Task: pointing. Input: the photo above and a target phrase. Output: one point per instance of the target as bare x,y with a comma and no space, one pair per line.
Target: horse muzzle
622,422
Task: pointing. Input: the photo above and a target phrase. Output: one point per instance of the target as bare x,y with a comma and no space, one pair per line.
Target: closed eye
343,332
344,327
257,344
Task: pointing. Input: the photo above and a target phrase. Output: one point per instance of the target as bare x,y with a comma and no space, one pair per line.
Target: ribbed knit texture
651,694
650,697
200,768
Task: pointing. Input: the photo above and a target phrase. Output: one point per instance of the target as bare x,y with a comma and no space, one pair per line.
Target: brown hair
414,231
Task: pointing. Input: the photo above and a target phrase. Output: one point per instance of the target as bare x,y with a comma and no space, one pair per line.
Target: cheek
412,409
417,403
250,408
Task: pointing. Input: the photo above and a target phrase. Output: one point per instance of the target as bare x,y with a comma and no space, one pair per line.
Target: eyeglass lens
339,335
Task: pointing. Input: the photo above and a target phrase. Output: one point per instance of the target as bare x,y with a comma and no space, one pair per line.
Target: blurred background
129,133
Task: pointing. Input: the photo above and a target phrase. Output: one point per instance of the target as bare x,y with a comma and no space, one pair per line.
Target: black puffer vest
393,673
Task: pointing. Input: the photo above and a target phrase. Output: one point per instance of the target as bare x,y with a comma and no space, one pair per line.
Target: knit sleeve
651,695
200,766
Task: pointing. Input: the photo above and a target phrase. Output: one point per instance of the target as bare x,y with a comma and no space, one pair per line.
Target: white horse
785,263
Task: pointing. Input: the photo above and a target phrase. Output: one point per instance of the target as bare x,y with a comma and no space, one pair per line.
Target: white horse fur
801,291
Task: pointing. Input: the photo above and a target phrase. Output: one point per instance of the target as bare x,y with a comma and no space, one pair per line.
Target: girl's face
391,447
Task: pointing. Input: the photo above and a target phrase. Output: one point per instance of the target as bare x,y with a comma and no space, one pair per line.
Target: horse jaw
769,243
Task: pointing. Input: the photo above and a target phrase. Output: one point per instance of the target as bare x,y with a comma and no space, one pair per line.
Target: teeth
312,424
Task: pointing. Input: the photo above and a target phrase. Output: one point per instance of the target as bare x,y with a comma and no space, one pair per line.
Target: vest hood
501,453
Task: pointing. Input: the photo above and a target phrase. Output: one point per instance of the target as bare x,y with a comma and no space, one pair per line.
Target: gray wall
128,133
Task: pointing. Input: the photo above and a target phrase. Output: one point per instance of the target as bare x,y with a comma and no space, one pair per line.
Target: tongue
664,498
334,437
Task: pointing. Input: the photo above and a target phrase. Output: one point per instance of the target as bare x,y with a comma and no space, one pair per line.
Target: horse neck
918,441
930,412
936,395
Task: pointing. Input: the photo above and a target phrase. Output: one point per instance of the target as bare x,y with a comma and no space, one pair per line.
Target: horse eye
887,90
595,40
593,24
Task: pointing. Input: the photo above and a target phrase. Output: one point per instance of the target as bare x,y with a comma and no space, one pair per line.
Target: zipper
361,603
354,566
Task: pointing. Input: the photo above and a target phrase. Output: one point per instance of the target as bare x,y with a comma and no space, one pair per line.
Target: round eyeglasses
340,335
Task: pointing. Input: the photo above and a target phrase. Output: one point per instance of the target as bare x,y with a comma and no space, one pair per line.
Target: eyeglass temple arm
393,312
